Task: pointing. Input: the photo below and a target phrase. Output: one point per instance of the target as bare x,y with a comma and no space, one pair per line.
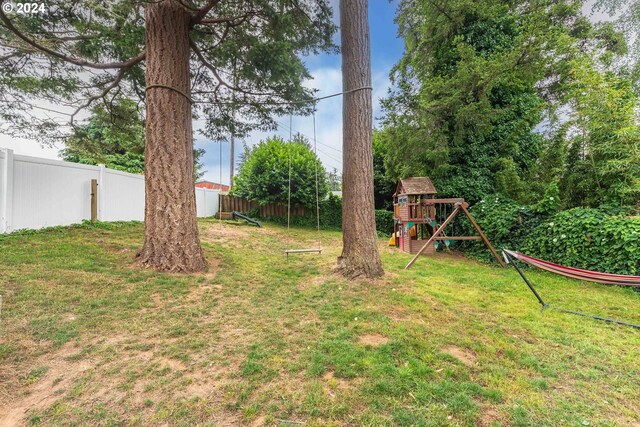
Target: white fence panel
121,196
200,202
207,202
3,191
36,193
50,192
212,198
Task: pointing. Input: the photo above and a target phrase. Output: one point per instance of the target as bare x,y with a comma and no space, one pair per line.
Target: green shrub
606,239
588,238
505,222
266,176
331,212
384,222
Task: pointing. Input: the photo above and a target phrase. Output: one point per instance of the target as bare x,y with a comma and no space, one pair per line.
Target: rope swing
315,151
289,198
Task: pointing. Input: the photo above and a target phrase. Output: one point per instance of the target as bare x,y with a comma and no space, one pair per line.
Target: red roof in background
212,185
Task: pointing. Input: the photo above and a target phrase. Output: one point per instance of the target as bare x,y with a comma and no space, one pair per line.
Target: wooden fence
232,203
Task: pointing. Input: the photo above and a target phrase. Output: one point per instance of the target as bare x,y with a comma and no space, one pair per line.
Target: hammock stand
576,273
511,256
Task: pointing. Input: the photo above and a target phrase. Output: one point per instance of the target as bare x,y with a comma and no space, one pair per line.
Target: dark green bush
588,238
331,212
266,175
384,222
605,239
504,221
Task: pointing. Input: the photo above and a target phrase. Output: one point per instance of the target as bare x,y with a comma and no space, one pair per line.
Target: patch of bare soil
206,288
46,390
259,422
463,355
374,340
333,384
310,283
490,416
228,234
403,315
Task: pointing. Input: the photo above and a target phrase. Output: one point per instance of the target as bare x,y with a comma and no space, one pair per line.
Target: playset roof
415,185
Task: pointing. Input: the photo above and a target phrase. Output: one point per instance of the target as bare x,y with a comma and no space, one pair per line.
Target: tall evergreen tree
471,88
177,56
603,146
360,256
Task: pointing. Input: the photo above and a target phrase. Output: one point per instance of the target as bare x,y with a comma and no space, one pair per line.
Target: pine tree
176,56
360,255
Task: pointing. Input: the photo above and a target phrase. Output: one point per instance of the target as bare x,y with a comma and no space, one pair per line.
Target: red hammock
576,273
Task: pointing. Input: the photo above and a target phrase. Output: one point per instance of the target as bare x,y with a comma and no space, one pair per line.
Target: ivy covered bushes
384,222
588,238
605,239
504,221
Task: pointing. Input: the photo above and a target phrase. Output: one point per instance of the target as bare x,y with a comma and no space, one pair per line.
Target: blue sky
386,50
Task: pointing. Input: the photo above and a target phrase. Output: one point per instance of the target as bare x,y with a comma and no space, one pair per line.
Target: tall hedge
606,239
588,238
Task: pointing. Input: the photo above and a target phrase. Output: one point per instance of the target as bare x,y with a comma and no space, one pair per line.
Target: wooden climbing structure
416,228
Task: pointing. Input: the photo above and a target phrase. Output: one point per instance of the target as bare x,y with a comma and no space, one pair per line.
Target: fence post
94,200
101,192
6,203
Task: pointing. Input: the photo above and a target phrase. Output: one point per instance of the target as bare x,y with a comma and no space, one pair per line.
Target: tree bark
171,240
360,255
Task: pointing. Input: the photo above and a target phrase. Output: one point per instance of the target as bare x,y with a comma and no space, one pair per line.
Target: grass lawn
88,338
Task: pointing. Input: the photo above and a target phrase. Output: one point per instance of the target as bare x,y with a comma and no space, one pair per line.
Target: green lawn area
88,338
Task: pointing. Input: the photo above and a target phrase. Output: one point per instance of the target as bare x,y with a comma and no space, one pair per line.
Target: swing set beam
460,205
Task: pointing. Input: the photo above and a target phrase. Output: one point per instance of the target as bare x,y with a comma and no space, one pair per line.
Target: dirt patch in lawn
212,270
45,391
232,235
374,340
463,355
490,416
311,282
333,384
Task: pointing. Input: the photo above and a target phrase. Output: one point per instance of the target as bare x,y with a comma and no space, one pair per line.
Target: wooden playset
416,229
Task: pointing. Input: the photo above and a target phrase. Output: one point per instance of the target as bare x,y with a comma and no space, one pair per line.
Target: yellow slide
392,239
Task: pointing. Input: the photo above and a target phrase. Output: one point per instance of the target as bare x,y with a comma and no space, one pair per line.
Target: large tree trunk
171,241
360,255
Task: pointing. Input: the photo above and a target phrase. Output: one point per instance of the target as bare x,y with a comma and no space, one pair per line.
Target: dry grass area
87,338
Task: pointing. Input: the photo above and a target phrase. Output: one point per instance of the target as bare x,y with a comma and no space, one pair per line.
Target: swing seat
299,251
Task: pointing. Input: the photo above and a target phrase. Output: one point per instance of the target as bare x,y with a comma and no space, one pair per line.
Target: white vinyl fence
36,193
